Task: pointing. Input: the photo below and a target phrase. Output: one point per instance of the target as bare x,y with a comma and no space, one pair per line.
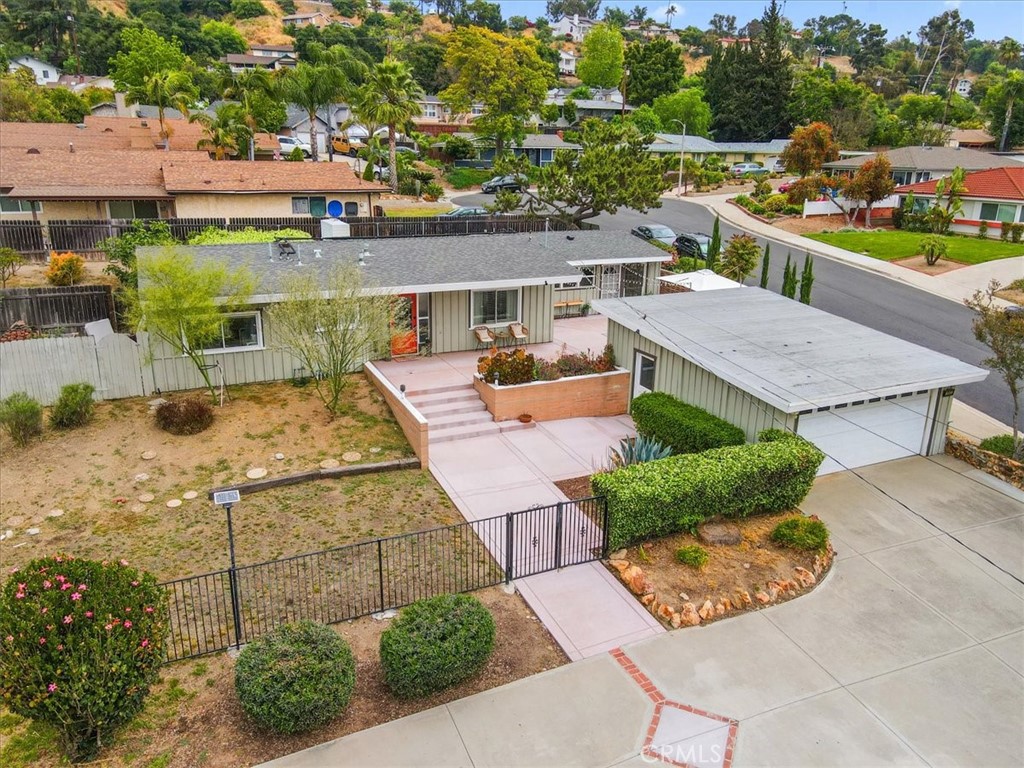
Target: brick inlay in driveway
679,734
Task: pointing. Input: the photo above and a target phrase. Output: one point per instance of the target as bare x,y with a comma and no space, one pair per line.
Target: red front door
404,338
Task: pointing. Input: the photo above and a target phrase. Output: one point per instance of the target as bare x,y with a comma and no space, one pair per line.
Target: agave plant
637,450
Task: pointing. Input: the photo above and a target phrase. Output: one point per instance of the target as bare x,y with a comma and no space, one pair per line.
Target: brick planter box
600,394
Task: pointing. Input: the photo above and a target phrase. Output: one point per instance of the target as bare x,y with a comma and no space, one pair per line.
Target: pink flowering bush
80,644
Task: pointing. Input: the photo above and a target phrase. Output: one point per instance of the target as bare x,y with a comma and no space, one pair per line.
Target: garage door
859,435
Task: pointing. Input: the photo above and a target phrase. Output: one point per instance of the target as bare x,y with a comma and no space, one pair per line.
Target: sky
993,19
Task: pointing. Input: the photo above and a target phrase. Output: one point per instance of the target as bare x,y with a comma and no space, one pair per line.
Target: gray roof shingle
927,159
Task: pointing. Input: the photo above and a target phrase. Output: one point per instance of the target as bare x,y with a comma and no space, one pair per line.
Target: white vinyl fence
40,367
827,208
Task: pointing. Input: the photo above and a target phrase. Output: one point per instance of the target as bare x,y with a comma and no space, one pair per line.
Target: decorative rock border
690,614
320,474
1003,467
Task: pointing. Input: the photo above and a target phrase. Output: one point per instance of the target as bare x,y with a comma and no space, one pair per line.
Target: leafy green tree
947,204
933,248
247,9
806,279
503,74
871,183
472,13
602,57
612,170
1009,52
999,103
144,54
425,58
809,148
325,76
944,39
871,50
71,107
10,262
739,258
645,119
389,97
687,107
1004,335
166,90
655,69
257,95
224,38
715,244
615,17
722,25
22,101
183,303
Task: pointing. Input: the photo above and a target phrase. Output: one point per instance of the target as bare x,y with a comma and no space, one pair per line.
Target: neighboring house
45,73
761,361
728,42
450,284
244,62
963,87
603,104
695,147
272,51
728,152
995,196
971,138
539,148
914,164
327,122
436,118
651,29
573,27
567,63
79,83
316,19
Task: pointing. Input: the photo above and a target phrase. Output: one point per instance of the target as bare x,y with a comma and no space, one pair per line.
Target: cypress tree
806,279
765,262
715,246
789,278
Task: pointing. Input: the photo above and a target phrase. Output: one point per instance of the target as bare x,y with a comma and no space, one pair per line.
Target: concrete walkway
955,285
911,652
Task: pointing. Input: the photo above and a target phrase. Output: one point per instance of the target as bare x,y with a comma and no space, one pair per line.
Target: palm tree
669,13
226,131
1012,88
1009,51
638,14
165,90
389,97
246,87
323,77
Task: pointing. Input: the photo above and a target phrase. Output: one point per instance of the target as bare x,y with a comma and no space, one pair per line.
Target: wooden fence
48,308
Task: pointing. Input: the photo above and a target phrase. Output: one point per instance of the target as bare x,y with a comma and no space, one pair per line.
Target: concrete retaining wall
600,394
413,425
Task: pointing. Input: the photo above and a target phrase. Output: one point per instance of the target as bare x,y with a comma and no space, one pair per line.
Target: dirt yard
800,226
114,502
919,264
193,717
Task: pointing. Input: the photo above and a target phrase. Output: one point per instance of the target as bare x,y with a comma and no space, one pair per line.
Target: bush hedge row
684,428
677,493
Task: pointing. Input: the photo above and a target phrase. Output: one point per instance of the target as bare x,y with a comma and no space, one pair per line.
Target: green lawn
892,245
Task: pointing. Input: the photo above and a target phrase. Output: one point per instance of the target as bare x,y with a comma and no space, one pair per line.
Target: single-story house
995,196
729,152
694,147
44,72
913,164
971,138
539,148
760,361
701,280
450,286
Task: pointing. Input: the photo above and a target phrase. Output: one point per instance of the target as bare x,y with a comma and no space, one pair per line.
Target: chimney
121,104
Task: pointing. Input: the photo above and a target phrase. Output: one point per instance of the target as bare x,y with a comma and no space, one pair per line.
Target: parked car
775,165
288,143
654,232
694,245
515,183
408,150
742,169
787,185
465,211
1014,312
381,173
346,146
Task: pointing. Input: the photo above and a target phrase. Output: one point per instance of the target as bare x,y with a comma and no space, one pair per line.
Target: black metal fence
343,583
69,307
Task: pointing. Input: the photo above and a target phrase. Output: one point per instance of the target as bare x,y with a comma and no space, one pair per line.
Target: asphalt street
865,297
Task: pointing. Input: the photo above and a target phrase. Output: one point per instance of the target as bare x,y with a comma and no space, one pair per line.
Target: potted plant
585,309
525,418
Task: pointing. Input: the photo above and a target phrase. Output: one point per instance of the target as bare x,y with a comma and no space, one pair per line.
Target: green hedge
677,493
684,428
436,643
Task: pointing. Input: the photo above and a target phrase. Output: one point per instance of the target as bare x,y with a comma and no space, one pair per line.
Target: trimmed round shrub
297,678
801,533
81,642
74,407
776,203
65,269
693,555
187,416
1001,444
436,643
22,417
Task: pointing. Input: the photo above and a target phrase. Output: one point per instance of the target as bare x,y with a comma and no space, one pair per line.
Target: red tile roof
998,183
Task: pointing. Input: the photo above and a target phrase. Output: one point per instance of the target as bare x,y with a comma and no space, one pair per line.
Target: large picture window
242,330
998,212
133,209
19,206
495,307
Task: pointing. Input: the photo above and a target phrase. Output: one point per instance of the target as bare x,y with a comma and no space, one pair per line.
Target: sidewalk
956,285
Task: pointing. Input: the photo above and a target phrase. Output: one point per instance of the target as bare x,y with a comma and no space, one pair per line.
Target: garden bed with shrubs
194,715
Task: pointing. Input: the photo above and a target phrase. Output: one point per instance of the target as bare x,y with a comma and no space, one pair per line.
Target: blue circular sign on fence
335,208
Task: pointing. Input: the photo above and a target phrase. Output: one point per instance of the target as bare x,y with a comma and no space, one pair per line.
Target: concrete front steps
456,412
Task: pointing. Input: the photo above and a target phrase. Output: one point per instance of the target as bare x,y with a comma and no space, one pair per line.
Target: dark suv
694,245
498,183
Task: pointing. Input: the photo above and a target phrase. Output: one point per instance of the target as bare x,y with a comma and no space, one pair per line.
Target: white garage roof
701,280
785,353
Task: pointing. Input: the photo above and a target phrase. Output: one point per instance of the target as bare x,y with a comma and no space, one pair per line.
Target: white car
288,143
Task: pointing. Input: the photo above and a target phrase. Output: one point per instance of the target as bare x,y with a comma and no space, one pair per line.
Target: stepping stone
719,533
148,455
351,456
146,498
15,520
137,508
256,473
189,495
55,513
32,531
329,464
384,615
154,404
6,535
141,477
279,456
375,450
173,503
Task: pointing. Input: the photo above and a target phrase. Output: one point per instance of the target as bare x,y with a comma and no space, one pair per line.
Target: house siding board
451,329
257,205
694,385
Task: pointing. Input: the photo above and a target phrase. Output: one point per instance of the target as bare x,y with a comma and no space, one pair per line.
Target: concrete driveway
911,652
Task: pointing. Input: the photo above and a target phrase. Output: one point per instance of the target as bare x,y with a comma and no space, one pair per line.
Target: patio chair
518,333
485,337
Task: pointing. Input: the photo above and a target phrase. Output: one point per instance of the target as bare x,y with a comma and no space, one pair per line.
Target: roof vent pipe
363,255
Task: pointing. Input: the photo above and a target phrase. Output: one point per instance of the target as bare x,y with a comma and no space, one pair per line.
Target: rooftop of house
925,159
425,264
183,175
287,48
670,142
975,137
1005,183
785,353
773,146
251,58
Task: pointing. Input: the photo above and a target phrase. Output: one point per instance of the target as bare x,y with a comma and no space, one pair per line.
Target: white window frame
476,110
1013,216
33,205
259,334
430,110
519,308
